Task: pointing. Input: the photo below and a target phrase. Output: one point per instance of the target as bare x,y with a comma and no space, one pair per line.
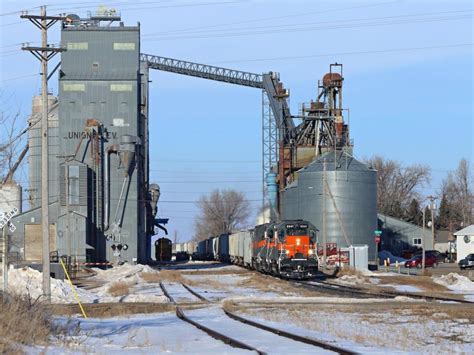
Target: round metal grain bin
353,187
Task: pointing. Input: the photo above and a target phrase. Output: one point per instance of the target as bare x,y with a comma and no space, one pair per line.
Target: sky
407,68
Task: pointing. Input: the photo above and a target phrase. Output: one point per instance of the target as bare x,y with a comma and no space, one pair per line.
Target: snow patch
351,280
29,282
403,288
455,282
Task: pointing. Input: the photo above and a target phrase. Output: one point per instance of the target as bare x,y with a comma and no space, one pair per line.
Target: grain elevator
99,200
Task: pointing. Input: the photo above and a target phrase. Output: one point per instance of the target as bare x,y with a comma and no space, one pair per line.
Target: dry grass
423,282
350,272
163,275
119,289
23,321
106,310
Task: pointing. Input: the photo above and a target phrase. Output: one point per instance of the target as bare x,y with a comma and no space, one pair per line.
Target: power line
305,29
301,14
19,77
286,26
346,53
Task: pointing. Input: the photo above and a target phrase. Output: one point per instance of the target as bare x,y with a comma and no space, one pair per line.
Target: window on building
77,46
121,87
124,46
73,191
416,241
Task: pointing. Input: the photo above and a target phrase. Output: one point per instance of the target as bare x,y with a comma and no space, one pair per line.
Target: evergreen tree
444,214
413,212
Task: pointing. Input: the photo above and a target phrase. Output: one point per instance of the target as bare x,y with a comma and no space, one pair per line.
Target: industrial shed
399,236
464,242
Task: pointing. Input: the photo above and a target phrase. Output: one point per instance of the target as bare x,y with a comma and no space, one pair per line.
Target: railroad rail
382,294
236,343
215,334
201,297
283,333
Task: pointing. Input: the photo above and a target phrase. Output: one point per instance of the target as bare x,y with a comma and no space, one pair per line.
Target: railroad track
355,291
238,343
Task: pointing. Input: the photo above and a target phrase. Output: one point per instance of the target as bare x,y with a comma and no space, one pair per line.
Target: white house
464,242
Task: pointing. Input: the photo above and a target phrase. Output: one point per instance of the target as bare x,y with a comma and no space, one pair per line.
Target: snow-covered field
362,325
388,331
138,334
452,284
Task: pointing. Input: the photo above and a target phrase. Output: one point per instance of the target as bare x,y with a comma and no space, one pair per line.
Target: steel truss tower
270,139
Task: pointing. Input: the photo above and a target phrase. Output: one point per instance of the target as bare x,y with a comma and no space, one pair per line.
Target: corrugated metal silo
351,198
34,156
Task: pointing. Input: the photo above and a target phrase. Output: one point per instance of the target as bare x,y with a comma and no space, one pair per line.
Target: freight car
163,249
285,248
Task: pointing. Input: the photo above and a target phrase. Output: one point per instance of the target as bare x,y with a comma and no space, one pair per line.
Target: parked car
416,261
467,262
440,257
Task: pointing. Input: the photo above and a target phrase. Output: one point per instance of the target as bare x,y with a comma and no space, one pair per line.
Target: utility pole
44,54
325,240
432,209
423,243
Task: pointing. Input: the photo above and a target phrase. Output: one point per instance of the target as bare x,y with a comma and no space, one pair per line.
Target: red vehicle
416,261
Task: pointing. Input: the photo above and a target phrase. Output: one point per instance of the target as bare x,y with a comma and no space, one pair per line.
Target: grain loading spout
126,152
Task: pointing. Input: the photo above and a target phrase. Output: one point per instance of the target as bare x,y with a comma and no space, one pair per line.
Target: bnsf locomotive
285,248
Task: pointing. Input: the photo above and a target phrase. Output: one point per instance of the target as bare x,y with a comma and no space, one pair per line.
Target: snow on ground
216,319
142,334
29,282
121,273
350,280
320,335
403,288
217,287
379,332
179,293
457,283
318,300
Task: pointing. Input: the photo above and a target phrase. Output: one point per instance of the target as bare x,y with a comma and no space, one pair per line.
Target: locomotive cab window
296,231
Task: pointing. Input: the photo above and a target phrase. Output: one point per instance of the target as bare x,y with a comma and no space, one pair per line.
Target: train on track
163,250
285,248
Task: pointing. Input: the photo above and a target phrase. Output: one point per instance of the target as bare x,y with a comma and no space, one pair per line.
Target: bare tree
457,192
11,142
221,212
397,185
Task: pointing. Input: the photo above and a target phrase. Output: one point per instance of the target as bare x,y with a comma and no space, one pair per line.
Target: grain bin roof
336,160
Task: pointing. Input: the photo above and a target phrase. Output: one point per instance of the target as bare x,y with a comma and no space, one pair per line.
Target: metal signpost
4,224
377,242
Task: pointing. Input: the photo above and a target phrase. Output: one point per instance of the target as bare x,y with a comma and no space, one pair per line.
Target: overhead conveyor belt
268,82
203,71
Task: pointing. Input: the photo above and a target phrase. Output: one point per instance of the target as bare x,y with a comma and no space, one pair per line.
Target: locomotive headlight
287,251
298,241
310,252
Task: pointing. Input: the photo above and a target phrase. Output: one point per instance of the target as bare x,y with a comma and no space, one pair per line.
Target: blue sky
412,105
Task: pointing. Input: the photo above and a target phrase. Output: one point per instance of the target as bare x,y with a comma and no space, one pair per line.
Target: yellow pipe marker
76,296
